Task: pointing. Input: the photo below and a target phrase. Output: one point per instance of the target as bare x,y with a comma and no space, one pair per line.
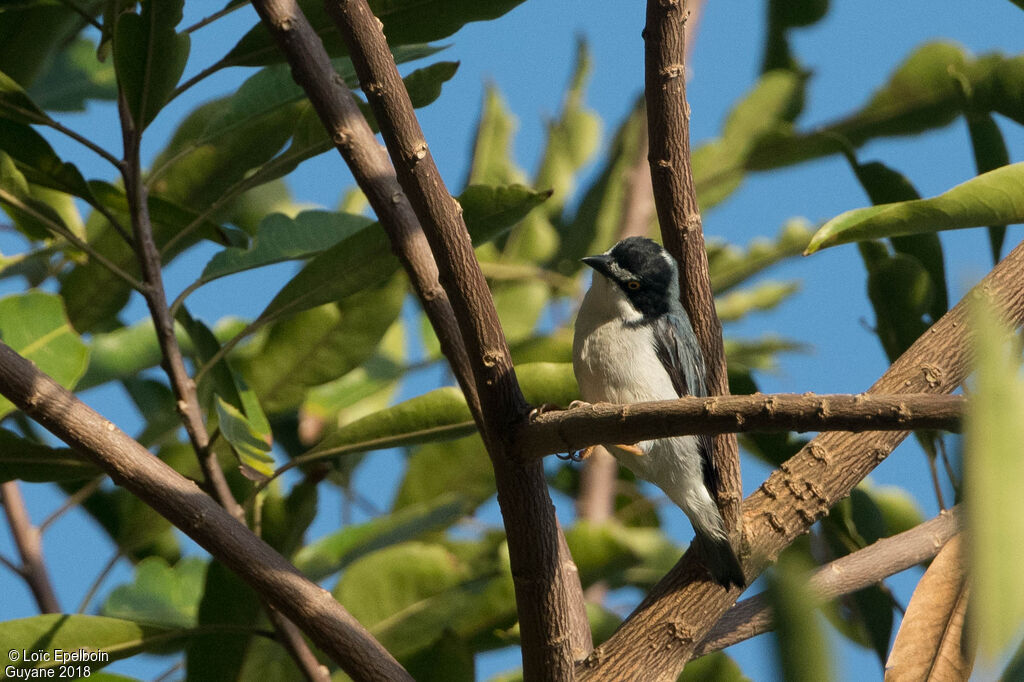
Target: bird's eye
633,284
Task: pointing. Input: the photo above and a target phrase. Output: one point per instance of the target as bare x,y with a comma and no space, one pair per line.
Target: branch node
672,71
775,522
932,374
820,453
680,631
342,137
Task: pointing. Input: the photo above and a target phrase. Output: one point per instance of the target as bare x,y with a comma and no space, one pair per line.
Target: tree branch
148,255
850,573
29,543
372,170
576,428
180,501
187,401
661,635
675,196
545,591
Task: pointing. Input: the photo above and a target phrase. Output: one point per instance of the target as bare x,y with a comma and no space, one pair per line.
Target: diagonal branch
680,610
181,502
29,543
546,589
575,429
850,573
675,195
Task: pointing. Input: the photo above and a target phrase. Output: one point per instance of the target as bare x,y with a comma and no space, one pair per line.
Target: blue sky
528,55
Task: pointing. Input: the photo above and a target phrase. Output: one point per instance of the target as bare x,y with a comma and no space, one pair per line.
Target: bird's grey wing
685,367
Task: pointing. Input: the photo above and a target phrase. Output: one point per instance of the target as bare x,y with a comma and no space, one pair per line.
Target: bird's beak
600,263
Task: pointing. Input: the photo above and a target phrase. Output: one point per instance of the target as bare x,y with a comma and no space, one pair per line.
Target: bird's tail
721,561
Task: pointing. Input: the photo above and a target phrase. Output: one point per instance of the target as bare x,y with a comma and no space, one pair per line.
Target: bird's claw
578,403
541,409
578,455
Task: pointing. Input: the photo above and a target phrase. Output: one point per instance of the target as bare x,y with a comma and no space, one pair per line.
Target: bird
633,342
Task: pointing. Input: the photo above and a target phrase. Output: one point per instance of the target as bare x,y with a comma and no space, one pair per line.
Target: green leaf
40,164
123,353
31,462
760,297
116,637
730,266
251,446
995,509
16,105
365,258
150,57
920,95
716,667
160,594
28,36
991,198
404,23
989,153
322,344
598,219
227,601
156,403
34,325
281,238
615,554
437,468
801,644
784,15
75,77
450,659
767,110
335,551
492,162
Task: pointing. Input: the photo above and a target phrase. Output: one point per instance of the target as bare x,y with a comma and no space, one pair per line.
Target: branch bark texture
662,634
548,595
336,106
675,196
878,561
576,428
179,500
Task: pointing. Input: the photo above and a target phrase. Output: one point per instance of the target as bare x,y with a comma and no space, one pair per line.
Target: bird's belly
616,363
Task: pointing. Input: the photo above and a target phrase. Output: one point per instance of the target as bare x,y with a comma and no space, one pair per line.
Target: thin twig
89,19
72,501
212,18
148,255
28,541
59,230
100,577
83,140
933,470
16,569
202,75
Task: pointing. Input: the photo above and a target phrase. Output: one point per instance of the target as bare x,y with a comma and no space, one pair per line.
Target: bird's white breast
614,360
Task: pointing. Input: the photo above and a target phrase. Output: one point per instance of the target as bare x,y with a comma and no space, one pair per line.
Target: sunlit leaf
994,197
34,325
731,265
760,297
252,447
995,509
160,594
335,551
16,105
435,469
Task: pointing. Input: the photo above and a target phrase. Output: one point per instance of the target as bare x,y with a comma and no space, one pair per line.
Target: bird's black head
644,271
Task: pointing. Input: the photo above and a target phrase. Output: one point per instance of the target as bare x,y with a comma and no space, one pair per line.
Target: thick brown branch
675,195
29,543
545,590
661,635
180,501
853,572
574,429
372,170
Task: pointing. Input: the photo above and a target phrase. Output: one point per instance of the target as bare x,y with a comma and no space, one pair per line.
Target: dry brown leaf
930,643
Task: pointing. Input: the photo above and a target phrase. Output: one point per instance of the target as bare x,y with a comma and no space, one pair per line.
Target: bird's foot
541,409
579,455
631,449
578,403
